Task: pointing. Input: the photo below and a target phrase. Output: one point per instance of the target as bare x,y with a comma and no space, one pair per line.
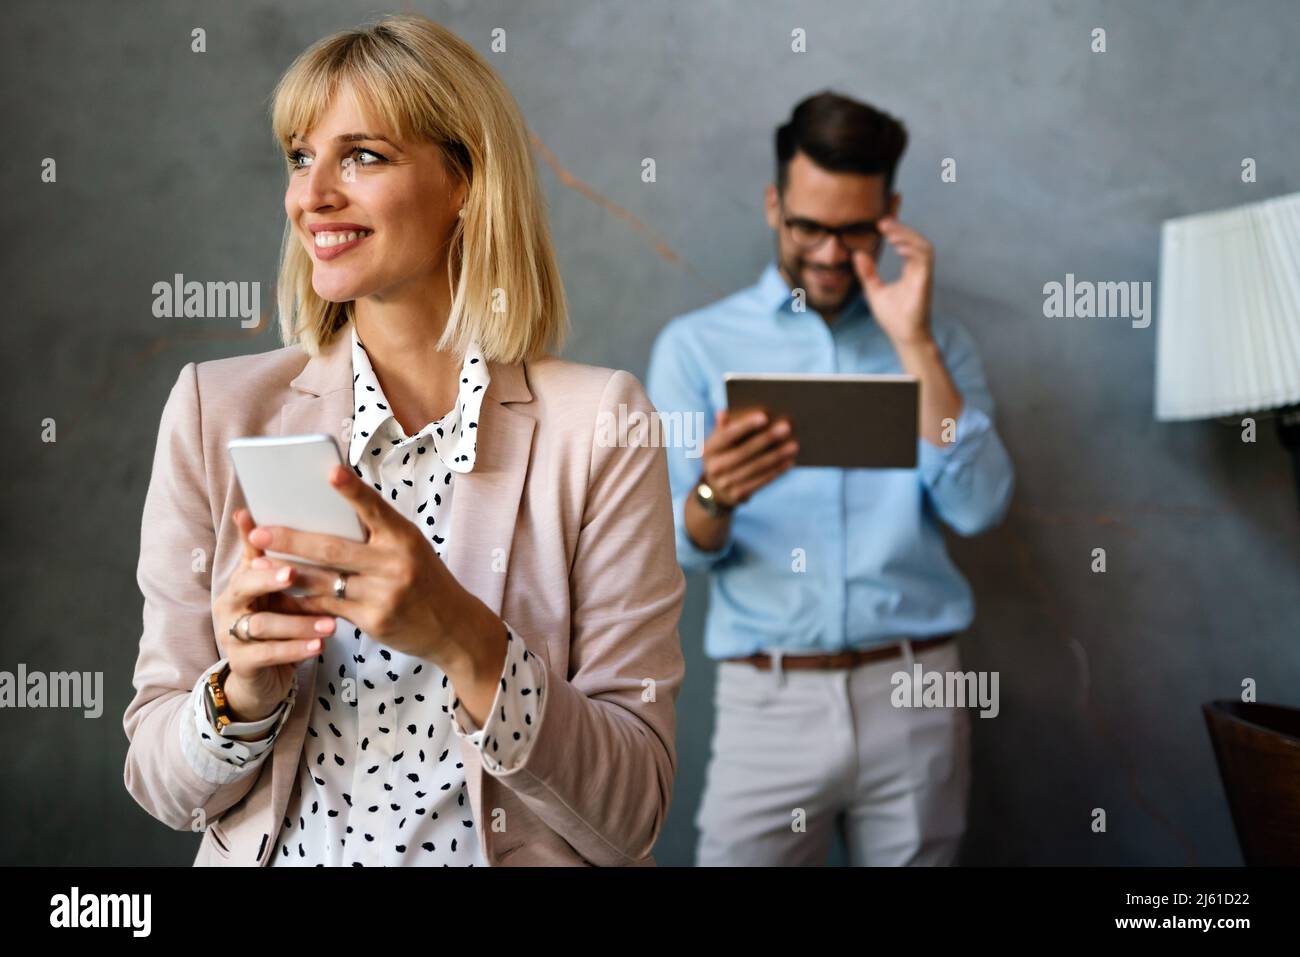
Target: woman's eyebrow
353,138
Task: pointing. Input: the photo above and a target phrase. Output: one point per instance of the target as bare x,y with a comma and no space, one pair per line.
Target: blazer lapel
485,500
484,508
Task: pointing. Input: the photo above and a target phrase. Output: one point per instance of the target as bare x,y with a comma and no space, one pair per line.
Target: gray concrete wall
1068,161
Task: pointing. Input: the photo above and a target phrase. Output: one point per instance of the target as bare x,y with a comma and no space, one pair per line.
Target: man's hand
741,456
901,307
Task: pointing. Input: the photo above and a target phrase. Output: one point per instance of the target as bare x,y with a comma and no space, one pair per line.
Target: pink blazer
583,529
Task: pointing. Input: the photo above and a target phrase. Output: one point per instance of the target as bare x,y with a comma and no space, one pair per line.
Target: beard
805,276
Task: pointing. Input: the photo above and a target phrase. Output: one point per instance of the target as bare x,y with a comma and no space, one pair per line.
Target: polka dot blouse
381,780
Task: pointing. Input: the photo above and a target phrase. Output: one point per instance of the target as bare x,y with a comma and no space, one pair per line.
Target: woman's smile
330,240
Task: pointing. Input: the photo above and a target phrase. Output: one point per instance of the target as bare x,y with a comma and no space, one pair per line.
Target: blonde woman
491,677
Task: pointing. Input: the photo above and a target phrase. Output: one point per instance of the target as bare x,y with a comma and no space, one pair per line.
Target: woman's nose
322,187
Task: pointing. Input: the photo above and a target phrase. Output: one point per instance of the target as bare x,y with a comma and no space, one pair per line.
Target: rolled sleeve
220,759
970,480
939,462
674,384
515,717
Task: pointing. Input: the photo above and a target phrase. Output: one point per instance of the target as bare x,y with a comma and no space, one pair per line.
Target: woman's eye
297,159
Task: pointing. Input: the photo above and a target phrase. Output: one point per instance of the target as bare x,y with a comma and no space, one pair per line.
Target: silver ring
235,629
340,584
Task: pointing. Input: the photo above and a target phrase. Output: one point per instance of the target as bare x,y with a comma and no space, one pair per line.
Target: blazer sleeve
600,770
177,644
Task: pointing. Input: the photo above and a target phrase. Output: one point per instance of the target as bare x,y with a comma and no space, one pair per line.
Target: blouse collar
454,437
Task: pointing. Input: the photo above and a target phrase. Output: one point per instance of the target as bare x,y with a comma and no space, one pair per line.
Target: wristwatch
214,697
708,500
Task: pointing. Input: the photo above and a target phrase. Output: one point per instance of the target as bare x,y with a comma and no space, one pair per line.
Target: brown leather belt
840,659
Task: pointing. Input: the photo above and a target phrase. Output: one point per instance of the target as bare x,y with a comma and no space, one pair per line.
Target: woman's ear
459,189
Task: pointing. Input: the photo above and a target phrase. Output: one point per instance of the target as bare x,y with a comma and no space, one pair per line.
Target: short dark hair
842,135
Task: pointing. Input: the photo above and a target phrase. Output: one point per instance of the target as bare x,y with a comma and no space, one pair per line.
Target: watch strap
219,710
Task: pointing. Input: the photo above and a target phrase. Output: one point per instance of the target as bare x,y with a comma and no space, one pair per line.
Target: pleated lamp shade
1228,325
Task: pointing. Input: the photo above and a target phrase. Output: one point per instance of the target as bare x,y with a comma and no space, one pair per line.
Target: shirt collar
775,295
453,438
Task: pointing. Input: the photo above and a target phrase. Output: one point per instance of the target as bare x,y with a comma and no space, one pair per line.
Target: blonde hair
427,83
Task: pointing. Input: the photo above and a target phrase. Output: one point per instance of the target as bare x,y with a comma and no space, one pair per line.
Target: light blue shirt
824,559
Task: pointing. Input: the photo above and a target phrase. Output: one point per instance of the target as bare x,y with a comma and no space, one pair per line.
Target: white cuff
513,721
220,759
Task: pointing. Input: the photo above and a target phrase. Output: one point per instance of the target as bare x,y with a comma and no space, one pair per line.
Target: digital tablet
844,421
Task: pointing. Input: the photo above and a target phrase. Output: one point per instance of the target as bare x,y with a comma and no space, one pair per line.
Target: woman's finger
264,626
328,550
244,521
319,582
374,512
248,584
247,657
350,608
283,603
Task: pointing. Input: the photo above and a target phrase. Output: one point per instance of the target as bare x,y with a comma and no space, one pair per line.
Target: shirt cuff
220,759
934,460
512,723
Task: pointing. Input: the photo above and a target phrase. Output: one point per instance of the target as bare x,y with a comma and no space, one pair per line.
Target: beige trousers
800,755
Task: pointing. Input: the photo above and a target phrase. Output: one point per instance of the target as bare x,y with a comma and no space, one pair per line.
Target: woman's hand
282,632
397,589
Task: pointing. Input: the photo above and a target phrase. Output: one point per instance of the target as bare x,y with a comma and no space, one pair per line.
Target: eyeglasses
808,234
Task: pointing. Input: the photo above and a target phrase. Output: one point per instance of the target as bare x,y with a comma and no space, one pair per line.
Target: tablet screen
843,421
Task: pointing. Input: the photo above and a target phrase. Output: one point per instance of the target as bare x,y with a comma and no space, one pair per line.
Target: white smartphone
285,482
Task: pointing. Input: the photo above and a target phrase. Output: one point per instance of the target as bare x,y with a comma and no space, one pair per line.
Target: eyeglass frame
839,232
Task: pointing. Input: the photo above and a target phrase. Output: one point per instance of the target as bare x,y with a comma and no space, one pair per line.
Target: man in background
825,582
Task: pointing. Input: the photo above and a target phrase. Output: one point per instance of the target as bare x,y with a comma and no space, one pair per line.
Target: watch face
707,500
210,706
218,721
